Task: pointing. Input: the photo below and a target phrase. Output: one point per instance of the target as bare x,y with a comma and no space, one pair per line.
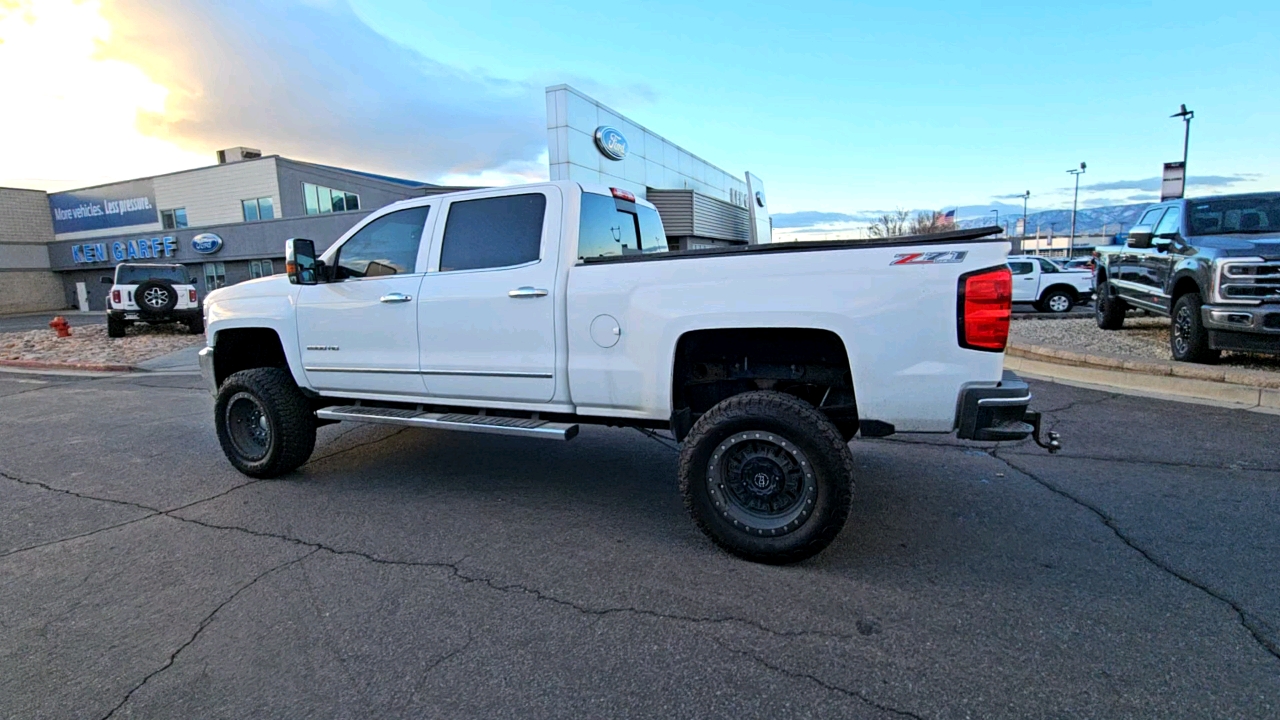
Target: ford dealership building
228,222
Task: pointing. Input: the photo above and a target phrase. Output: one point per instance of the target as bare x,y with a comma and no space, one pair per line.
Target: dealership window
258,209
319,199
215,276
173,219
493,232
260,268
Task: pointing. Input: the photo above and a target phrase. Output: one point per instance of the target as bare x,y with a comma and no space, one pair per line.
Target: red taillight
115,296
623,194
192,294
985,302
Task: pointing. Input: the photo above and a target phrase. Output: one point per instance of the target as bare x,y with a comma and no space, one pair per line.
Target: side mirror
1140,237
300,261
108,280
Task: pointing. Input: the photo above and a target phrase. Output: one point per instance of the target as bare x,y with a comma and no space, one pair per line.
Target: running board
521,427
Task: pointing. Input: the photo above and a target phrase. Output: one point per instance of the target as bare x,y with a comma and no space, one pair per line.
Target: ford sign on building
611,142
206,243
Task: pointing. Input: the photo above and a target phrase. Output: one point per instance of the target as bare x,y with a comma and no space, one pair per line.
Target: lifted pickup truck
1211,264
527,311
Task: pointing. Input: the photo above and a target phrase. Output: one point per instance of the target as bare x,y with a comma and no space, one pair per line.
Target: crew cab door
487,306
358,332
1156,264
1026,280
1129,280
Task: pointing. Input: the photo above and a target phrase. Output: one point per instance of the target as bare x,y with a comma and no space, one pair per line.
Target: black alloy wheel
1188,338
265,424
248,426
1108,310
765,483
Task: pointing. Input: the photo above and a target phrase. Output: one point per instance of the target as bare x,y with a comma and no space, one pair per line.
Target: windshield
617,227
137,274
1253,214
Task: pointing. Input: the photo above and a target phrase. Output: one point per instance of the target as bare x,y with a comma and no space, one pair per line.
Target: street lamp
1186,116
1025,197
997,212
1071,243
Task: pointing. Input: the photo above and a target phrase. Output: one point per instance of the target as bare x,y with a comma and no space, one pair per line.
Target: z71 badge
930,258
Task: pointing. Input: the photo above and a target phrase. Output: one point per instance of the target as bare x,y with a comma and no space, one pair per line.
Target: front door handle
395,298
526,291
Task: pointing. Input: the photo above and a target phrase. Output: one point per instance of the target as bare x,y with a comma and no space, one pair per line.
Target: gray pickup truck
1211,264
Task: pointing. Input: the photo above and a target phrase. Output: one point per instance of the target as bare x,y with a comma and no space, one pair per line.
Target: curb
1236,387
86,367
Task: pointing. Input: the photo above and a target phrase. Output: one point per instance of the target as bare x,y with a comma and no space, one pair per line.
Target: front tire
767,477
265,424
1108,310
1188,338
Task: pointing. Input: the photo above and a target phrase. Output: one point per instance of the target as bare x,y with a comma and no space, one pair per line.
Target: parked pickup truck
528,311
1211,264
1050,286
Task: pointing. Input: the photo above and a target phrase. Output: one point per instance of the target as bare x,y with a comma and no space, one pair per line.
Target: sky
844,108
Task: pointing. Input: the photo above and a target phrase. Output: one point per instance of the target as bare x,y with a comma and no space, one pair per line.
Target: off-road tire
290,422
806,441
1188,338
1047,303
142,296
1108,311
115,326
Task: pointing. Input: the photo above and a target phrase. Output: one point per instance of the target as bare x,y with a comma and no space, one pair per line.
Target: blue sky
840,107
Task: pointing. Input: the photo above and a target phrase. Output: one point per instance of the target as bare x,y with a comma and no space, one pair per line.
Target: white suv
151,293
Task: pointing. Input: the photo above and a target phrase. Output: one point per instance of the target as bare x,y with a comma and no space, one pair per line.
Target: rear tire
265,424
196,326
767,477
1108,310
115,327
1188,339
1057,301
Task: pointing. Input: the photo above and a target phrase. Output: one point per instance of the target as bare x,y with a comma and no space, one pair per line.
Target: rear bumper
995,412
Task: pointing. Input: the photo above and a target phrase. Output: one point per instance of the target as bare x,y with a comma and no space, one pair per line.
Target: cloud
309,79
1152,184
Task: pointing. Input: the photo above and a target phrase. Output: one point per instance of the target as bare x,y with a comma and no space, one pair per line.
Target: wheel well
1069,290
1184,285
239,349
712,365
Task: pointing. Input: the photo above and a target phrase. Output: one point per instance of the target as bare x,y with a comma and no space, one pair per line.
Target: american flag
948,218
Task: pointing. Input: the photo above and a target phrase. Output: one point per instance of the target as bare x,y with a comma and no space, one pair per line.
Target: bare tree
890,224
927,222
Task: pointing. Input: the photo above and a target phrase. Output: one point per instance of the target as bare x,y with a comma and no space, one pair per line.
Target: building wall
690,214
651,160
374,193
26,229
212,195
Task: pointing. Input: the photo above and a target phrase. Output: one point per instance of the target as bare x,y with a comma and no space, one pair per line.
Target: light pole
1025,197
1071,242
1186,116
997,212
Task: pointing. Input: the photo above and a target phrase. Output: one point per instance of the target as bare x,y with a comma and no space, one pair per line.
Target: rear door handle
395,298
526,291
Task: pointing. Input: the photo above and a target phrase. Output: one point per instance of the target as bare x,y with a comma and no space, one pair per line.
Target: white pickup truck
1050,286
530,310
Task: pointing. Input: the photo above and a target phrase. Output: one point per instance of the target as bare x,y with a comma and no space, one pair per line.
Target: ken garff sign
611,142
206,243
113,206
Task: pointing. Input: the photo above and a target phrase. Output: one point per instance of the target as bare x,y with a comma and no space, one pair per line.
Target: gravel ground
1144,337
90,344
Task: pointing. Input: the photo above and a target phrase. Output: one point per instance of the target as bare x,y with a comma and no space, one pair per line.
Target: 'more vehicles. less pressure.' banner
112,206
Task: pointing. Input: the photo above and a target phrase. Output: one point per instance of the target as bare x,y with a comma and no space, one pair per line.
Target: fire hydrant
61,325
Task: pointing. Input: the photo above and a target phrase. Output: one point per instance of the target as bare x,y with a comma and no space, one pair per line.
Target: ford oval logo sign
206,243
611,142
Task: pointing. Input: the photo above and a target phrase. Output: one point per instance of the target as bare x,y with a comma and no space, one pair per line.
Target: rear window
1234,215
138,274
611,227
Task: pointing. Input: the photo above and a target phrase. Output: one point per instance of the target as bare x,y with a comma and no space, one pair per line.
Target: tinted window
1020,268
1248,214
1151,217
617,227
136,274
493,232
386,246
1170,222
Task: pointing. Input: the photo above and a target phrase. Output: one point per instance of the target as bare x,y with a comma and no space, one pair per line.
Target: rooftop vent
236,154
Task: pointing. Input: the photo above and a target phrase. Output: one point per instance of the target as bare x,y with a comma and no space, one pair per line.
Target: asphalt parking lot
405,573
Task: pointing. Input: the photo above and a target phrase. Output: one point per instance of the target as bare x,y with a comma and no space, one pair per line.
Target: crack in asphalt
1163,463
852,694
1261,631
200,628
